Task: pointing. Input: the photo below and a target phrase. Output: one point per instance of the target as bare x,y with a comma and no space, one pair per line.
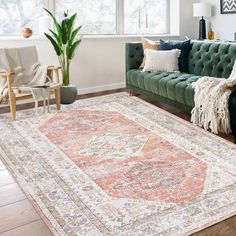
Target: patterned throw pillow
148,44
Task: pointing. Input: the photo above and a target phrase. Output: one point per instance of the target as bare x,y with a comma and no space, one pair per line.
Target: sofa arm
134,55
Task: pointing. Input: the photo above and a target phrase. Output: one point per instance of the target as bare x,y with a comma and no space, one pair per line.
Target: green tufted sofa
205,59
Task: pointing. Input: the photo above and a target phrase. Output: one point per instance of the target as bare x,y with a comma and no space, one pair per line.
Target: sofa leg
130,93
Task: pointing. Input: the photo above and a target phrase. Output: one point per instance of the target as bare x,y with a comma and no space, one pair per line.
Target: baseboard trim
101,88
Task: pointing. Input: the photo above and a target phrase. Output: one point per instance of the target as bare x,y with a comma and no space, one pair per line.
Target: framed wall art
228,6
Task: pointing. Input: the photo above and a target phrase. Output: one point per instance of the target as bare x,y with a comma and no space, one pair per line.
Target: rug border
208,133
36,207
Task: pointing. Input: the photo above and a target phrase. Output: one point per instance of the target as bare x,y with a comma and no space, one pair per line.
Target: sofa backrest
205,58
212,59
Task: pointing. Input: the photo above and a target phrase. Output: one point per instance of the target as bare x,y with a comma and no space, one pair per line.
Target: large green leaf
56,37
71,51
64,34
67,27
57,25
71,23
74,34
55,45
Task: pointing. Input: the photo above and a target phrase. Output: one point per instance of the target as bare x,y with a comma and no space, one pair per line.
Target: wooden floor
18,217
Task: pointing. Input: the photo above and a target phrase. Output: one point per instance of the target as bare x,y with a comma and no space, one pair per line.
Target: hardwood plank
37,228
17,214
220,229
5,178
231,222
2,167
10,193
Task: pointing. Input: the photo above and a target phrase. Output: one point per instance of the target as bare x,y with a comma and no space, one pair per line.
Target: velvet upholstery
174,86
212,59
205,59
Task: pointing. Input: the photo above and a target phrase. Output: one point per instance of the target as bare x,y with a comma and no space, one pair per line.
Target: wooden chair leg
48,99
57,75
12,98
12,101
58,98
58,91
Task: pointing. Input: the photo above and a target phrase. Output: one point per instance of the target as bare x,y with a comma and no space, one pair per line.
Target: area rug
116,165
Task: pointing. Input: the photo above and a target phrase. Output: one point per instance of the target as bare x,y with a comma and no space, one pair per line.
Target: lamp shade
201,9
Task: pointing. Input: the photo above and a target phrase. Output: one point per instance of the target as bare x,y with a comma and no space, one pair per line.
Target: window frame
120,21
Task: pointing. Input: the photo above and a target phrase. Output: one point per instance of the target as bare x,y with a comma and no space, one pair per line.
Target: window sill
35,38
130,36
16,37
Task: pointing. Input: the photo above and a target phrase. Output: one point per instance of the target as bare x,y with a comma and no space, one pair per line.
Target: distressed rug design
116,165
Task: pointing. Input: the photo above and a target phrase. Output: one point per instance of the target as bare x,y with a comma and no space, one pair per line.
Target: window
96,16
145,16
106,17
17,14
99,17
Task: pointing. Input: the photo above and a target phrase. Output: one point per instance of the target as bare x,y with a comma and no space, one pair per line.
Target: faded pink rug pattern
125,159
116,165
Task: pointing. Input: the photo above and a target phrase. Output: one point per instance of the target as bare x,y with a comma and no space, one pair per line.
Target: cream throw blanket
25,64
211,109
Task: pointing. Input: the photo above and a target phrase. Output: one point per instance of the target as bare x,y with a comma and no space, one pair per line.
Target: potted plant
65,43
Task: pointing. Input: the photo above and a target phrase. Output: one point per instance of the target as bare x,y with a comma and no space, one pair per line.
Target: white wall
100,62
188,24
222,24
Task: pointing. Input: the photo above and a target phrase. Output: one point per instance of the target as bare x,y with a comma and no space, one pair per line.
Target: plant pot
68,94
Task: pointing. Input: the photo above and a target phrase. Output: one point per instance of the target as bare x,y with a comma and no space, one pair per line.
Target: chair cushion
175,86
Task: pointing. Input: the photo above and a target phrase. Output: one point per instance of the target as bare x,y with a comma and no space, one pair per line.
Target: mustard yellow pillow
148,44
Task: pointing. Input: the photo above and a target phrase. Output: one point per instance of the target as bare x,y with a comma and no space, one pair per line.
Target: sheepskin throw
211,109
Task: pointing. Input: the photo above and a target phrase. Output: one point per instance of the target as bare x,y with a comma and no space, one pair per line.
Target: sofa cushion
184,46
175,86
